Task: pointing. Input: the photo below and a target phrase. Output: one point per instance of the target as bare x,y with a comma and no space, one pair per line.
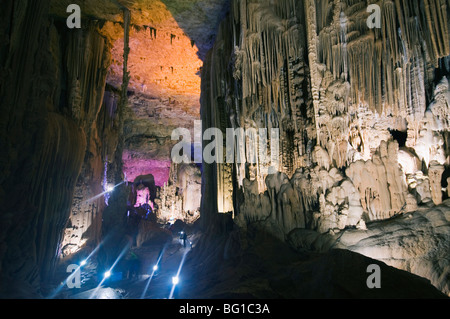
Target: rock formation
380,182
337,129
355,120
55,81
435,171
180,197
362,112
416,242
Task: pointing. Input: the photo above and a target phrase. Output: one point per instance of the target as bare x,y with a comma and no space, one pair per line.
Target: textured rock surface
417,242
99,118
168,42
253,264
335,107
381,182
361,114
52,94
180,197
164,88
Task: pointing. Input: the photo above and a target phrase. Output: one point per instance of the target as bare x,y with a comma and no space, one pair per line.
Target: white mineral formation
435,174
363,115
338,92
417,242
380,182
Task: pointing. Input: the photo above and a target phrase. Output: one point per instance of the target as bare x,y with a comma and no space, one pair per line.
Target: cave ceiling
198,19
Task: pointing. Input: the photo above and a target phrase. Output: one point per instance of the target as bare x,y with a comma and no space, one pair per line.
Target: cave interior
185,149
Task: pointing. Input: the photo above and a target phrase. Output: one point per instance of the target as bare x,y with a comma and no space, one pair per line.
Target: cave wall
54,125
168,42
338,91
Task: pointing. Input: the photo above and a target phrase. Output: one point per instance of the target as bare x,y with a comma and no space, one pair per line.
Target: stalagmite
435,171
380,181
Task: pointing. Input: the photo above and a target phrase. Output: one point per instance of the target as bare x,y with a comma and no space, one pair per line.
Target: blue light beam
176,278
155,268
124,250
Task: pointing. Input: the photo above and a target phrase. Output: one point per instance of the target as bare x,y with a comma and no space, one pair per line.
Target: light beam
176,278
83,262
109,189
155,268
124,250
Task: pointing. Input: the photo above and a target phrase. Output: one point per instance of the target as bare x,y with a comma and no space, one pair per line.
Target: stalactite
124,88
344,39
85,57
311,31
267,91
335,89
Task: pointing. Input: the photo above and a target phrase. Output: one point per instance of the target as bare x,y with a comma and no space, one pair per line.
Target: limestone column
435,174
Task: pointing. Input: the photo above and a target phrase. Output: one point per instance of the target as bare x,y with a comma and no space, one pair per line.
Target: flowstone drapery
340,94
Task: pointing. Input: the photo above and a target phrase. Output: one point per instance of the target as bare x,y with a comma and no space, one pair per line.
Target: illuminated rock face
336,89
179,198
362,113
167,44
380,182
168,41
165,87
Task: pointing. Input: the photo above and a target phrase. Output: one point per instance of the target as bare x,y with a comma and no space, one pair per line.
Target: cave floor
145,284
239,265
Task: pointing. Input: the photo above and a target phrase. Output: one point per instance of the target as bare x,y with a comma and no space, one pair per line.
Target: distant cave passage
399,136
